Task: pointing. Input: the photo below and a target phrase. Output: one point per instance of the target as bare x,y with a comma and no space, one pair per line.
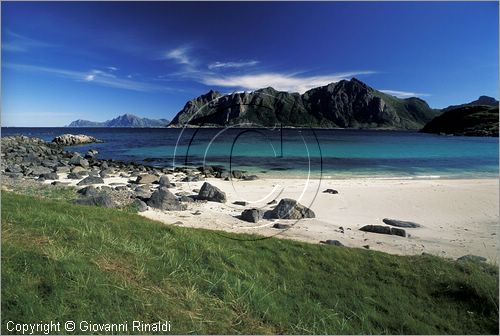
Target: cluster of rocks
387,229
32,158
287,208
393,227
74,139
222,173
384,230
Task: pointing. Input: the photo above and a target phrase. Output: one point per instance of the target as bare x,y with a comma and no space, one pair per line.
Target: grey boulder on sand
252,215
288,208
211,193
163,199
384,230
400,223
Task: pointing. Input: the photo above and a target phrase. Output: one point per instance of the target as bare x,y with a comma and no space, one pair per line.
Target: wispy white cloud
98,77
281,82
219,65
19,43
112,68
179,55
404,94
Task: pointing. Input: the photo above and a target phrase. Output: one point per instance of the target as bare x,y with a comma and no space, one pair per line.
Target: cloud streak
19,43
281,82
98,77
404,94
220,65
179,55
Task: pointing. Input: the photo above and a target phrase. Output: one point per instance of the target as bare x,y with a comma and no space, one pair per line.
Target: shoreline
458,216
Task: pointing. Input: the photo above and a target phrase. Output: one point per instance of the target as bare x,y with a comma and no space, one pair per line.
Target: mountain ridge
344,104
125,120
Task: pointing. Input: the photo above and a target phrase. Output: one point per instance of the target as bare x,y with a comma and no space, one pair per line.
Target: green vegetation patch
66,262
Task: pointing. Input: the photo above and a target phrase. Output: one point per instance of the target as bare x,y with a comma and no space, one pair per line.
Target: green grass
66,262
62,192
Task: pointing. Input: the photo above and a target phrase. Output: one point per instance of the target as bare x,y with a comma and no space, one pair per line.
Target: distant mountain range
345,104
477,118
126,120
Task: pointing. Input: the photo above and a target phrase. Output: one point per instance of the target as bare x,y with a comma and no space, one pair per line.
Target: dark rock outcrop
252,215
211,193
288,208
103,200
384,230
400,223
163,199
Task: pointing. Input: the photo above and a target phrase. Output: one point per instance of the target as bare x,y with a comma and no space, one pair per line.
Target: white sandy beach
458,217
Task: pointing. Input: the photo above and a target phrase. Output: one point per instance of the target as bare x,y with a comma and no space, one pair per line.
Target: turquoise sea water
295,152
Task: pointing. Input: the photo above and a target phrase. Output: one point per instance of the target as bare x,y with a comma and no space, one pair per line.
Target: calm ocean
294,152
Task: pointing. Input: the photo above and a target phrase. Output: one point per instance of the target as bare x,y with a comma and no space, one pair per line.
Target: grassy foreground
65,262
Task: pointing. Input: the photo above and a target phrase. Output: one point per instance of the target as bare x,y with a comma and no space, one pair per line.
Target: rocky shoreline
28,160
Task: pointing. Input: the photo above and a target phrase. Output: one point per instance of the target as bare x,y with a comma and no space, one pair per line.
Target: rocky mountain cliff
347,103
126,120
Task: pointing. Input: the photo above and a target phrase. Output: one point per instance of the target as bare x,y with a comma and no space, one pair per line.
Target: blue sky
64,61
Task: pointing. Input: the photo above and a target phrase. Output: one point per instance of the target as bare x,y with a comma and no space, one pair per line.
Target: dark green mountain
472,120
482,100
347,104
126,120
